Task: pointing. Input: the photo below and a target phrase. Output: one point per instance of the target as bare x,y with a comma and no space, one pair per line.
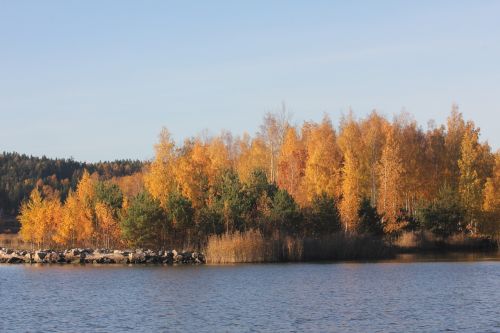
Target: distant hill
20,173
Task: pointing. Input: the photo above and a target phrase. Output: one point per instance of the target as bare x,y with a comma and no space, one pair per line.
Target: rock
101,256
178,259
15,260
39,256
137,258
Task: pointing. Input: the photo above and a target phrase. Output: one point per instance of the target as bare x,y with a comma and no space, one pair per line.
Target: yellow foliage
159,179
390,178
323,164
253,155
38,218
108,230
291,165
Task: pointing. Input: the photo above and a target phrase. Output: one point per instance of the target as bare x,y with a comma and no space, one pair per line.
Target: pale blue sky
96,80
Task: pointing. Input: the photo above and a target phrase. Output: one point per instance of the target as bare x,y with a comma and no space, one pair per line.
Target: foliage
146,223
284,214
372,176
445,216
20,174
370,222
323,216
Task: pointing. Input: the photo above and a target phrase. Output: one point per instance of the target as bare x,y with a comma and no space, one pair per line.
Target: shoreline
149,257
98,256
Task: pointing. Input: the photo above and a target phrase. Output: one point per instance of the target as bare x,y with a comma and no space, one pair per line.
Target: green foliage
370,222
323,216
180,211
445,216
146,223
109,194
285,215
209,222
258,193
229,201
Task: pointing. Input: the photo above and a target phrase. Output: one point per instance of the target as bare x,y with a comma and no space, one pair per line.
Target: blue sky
96,80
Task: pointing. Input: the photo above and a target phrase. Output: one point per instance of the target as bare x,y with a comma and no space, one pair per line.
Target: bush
322,216
146,224
445,216
370,222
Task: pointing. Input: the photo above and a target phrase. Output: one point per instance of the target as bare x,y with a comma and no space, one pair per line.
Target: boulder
39,256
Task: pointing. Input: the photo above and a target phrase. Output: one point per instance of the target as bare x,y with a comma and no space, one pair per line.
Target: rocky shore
99,256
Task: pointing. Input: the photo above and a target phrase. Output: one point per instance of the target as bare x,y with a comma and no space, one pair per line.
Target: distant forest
20,174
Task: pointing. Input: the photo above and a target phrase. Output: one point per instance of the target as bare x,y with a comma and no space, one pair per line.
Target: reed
426,241
238,247
13,241
252,247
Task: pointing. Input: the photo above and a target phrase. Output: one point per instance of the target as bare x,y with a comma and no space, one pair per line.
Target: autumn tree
470,187
323,165
455,130
351,145
108,231
373,136
77,224
159,179
390,179
191,172
291,165
412,154
272,132
38,218
108,206
435,161
491,204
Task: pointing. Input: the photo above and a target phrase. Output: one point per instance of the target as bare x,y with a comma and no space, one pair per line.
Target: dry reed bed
13,241
253,247
426,241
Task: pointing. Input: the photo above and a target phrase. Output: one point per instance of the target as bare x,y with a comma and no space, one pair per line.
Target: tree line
367,176
20,174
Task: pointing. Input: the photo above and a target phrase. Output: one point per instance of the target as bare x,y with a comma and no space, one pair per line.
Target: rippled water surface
395,296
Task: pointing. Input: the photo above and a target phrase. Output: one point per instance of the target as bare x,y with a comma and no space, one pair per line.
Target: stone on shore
100,256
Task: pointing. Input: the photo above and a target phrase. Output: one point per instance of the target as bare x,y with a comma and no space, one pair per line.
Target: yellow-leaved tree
159,179
253,155
291,165
38,218
491,205
390,172
470,187
352,147
108,232
323,164
76,226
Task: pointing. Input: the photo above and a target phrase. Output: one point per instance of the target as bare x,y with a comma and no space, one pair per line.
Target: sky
96,80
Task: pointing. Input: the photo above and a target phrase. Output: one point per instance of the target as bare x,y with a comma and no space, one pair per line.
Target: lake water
404,295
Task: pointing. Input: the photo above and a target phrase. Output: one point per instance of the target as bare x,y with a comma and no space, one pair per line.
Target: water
394,296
